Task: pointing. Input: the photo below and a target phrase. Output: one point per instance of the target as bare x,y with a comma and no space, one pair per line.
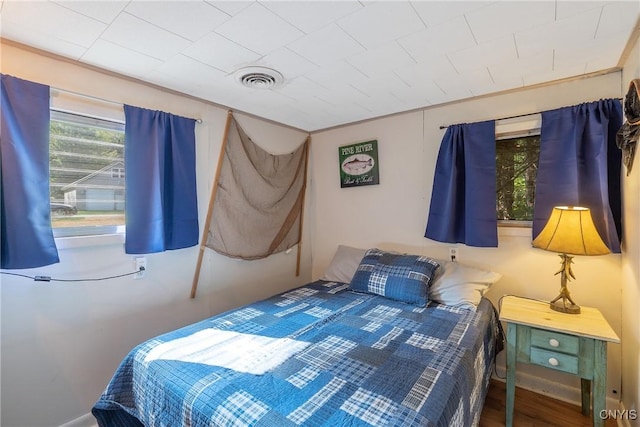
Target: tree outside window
516,169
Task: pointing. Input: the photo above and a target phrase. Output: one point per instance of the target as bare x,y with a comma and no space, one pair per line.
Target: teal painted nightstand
571,343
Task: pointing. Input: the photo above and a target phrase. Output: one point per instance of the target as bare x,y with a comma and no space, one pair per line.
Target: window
517,153
516,165
117,173
86,159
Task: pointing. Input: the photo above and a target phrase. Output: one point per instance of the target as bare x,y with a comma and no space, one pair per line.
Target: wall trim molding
562,392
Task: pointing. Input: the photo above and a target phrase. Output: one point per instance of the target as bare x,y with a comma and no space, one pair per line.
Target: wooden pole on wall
306,165
214,190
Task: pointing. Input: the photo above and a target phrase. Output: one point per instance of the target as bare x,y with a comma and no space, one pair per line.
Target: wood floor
532,410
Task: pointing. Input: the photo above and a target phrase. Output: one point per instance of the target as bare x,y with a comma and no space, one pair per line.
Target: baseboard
87,420
555,390
623,421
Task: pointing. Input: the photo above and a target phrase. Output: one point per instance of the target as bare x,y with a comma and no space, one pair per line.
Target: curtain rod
521,115
95,98
502,118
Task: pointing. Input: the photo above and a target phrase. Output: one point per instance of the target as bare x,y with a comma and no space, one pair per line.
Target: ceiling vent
259,77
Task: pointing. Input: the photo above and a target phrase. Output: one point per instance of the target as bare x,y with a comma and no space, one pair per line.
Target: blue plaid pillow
396,276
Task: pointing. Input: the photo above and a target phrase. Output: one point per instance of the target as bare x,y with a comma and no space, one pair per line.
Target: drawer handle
554,342
553,361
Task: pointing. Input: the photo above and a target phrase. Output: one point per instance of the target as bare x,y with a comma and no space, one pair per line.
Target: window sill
89,241
514,230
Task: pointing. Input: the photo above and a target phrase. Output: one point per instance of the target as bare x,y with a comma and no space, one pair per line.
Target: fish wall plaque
359,164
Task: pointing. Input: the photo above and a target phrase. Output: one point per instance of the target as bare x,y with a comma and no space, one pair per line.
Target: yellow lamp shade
570,230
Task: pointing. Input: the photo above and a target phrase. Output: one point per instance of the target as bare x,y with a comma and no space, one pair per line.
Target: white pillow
457,284
344,264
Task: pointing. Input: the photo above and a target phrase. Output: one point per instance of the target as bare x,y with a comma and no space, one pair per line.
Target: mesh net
258,203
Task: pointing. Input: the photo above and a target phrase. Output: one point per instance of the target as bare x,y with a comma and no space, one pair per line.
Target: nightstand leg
599,382
585,388
511,372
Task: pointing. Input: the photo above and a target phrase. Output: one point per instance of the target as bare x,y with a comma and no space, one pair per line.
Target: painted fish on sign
355,165
359,164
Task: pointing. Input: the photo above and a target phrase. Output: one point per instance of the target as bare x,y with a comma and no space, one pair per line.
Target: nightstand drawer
554,360
555,341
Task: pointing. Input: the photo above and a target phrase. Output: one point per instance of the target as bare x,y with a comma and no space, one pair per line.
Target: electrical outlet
453,254
141,267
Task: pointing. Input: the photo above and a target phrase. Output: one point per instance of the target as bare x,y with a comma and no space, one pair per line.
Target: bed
319,355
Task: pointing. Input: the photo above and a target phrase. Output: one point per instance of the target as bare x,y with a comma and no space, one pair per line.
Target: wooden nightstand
572,343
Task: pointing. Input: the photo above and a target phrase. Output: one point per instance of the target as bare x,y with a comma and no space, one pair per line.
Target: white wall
631,264
62,342
393,214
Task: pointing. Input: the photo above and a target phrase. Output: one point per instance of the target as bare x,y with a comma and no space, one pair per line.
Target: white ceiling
342,61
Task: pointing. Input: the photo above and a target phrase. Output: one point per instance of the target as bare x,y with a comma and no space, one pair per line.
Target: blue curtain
463,200
580,165
26,235
160,168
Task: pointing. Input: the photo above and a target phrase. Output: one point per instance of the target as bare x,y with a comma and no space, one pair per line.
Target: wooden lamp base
563,302
564,307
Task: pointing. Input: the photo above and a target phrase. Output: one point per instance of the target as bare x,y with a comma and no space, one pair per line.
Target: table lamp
569,230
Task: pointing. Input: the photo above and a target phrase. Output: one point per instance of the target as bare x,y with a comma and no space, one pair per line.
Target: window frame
117,172
85,108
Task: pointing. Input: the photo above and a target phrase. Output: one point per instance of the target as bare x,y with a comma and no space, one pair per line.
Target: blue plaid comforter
319,355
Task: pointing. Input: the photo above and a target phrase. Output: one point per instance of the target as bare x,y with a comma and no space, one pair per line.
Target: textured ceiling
342,61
